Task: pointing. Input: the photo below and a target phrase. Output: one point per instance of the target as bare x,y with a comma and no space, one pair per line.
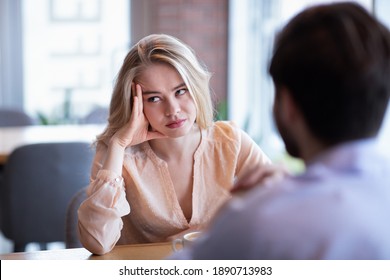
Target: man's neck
311,148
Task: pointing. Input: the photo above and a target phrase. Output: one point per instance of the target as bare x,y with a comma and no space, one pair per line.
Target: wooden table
13,137
150,251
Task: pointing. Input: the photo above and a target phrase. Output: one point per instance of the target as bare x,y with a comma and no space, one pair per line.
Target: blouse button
117,179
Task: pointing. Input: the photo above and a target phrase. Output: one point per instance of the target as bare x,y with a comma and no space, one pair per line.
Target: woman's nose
173,108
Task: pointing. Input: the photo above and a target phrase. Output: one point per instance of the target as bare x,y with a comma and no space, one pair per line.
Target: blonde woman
162,165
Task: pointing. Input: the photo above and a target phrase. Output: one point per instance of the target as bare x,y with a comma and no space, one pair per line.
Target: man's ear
287,105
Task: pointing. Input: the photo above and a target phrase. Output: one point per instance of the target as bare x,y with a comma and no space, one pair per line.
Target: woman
161,154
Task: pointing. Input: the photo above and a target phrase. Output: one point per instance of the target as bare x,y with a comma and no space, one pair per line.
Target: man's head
334,62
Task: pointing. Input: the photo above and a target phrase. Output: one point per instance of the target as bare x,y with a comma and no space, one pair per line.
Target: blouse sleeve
250,156
100,215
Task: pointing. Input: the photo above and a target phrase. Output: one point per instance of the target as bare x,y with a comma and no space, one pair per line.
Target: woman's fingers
136,131
136,100
155,135
140,104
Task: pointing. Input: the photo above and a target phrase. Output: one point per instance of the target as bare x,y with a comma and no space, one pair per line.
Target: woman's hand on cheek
136,130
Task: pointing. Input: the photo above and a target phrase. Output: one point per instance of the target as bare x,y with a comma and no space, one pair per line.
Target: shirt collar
352,156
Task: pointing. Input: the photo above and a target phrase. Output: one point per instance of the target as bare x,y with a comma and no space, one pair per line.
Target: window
72,52
252,27
382,9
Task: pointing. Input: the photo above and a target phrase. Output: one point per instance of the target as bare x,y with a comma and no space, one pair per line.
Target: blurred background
59,58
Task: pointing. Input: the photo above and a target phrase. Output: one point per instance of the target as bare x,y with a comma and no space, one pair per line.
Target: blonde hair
159,48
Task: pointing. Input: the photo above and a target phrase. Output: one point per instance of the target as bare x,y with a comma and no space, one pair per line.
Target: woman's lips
176,124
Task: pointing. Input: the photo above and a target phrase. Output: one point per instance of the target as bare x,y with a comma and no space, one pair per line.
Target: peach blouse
145,187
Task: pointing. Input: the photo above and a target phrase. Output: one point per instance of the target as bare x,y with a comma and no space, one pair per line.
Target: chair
14,117
38,184
71,225
98,115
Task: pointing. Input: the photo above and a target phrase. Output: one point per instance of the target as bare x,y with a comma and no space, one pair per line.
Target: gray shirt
338,209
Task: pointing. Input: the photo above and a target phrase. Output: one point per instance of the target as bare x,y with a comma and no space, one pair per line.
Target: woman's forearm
114,158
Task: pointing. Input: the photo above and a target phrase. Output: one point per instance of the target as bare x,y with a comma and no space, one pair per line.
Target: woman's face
167,103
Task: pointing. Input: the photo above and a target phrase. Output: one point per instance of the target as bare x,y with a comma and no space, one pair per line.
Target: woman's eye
181,91
153,99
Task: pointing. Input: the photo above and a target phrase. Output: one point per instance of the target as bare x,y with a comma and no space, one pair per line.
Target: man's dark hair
335,61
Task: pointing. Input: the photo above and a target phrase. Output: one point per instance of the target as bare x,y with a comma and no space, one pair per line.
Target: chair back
38,184
14,117
72,239
98,115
